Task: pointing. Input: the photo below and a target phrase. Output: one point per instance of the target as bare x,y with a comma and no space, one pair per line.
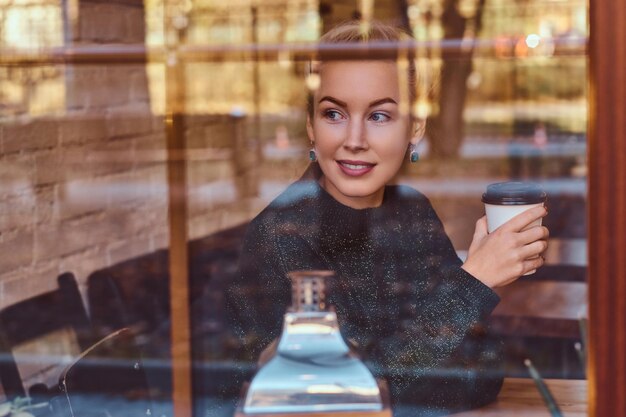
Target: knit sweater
401,297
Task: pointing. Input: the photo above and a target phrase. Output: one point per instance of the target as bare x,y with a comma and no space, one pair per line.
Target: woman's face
359,130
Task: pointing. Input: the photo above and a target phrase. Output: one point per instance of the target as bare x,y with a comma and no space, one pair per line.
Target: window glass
119,119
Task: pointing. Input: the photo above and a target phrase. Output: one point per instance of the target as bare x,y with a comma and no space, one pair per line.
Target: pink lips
355,168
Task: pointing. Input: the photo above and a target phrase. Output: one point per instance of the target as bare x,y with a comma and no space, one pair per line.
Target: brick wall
73,197
222,173
88,189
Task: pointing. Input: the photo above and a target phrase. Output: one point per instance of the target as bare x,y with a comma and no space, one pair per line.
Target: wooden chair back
34,318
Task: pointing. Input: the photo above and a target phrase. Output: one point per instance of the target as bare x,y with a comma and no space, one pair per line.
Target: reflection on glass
40,361
83,182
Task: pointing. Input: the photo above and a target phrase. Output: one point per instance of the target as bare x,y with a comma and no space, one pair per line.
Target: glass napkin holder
313,369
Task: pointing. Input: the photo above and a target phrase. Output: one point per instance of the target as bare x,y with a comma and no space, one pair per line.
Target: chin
352,191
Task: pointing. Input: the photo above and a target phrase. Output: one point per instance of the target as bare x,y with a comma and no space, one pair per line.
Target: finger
533,249
481,228
522,220
533,263
534,233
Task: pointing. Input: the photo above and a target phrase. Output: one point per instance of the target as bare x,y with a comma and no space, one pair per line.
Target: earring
414,156
312,155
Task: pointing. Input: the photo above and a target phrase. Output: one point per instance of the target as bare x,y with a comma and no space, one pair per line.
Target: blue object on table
543,390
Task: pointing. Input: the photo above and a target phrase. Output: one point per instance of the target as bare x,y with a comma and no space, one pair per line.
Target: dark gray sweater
400,294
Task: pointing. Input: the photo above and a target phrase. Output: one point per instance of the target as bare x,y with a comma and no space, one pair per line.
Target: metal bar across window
129,54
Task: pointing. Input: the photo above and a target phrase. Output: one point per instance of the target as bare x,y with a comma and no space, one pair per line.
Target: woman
402,295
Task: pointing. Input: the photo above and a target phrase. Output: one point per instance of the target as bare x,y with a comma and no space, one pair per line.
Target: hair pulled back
377,32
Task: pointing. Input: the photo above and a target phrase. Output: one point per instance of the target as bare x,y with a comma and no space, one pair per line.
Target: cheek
393,145
394,158
327,137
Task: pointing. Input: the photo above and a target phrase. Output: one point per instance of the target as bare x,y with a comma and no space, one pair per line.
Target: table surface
520,395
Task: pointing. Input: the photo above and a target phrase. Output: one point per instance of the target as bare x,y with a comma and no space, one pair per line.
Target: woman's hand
513,249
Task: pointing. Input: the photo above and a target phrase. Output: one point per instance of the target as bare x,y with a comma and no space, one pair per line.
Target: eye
379,117
332,115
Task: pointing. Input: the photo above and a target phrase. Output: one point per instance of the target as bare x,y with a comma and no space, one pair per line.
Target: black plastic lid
514,193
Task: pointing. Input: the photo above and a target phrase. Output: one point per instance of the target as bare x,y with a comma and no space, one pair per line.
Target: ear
418,128
309,129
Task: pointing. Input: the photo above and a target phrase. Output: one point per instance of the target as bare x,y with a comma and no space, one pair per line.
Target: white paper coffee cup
498,215
505,200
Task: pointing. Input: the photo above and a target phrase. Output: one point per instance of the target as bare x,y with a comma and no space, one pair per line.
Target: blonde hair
357,32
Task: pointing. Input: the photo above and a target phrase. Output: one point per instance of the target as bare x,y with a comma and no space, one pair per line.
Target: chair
135,293
107,379
35,319
539,315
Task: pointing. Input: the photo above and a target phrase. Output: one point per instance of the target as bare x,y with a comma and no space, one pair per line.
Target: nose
356,139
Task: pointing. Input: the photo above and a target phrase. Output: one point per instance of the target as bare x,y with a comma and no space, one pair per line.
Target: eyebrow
344,104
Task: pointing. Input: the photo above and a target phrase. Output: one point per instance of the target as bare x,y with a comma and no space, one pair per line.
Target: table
519,396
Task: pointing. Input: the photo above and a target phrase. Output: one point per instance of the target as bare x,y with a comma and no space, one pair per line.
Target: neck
358,203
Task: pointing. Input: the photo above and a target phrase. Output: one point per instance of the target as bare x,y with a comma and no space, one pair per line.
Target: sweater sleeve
442,356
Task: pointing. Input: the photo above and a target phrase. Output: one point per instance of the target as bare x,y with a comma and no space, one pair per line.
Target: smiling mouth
355,168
